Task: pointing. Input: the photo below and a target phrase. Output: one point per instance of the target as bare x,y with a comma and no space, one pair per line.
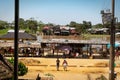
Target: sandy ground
78,69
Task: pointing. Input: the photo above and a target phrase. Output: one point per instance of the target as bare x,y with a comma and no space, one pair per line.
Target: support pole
16,40
112,43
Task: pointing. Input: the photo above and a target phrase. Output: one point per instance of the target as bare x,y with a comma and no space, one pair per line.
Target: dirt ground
78,69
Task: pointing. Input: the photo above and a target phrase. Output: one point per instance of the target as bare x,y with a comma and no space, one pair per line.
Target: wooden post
16,40
112,43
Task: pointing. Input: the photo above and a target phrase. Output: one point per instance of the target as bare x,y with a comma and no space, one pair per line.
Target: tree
72,24
22,23
3,24
32,25
50,24
98,26
87,25
81,28
40,26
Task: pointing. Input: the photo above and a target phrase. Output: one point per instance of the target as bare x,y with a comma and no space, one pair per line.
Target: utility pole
16,29
112,43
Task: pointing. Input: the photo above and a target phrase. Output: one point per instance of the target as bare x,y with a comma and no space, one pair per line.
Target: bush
49,74
22,69
102,77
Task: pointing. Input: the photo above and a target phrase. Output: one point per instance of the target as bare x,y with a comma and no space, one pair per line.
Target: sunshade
116,45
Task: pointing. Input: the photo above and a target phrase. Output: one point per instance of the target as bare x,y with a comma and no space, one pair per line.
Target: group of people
64,64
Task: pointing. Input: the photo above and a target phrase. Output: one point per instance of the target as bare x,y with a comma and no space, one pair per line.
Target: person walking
65,64
57,64
38,77
117,54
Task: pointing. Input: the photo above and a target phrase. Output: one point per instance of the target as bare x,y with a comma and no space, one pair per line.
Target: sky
60,12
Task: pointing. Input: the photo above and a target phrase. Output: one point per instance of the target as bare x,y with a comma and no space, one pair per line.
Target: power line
106,4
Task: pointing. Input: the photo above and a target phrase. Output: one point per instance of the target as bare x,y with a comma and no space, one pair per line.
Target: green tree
87,25
81,28
3,24
22,23
32,25
72,24
50,24
40,26
98,26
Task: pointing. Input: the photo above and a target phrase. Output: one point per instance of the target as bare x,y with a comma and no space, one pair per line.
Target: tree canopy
32,26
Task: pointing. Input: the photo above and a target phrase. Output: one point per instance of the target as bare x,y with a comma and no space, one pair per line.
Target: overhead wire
117,10
106,4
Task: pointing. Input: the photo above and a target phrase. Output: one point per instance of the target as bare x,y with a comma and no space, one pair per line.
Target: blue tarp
116,45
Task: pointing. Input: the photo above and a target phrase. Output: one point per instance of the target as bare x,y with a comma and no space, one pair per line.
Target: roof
14,31
95,42
21,35
64,27
11,44
118,33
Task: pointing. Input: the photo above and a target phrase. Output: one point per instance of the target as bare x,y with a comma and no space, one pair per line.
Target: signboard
106,18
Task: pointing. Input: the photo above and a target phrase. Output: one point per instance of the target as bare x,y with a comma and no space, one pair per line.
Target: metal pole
16,40
112,43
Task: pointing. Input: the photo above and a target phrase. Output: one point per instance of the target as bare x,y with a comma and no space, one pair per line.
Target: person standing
65,64
38,77
57,64
117,54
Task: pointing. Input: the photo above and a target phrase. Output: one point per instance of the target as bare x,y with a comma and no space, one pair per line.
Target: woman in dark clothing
57,64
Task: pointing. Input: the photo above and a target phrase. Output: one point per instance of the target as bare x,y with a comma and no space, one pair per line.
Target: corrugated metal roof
74,41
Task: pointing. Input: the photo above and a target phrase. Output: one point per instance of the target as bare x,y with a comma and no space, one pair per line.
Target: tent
116,45
64,48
